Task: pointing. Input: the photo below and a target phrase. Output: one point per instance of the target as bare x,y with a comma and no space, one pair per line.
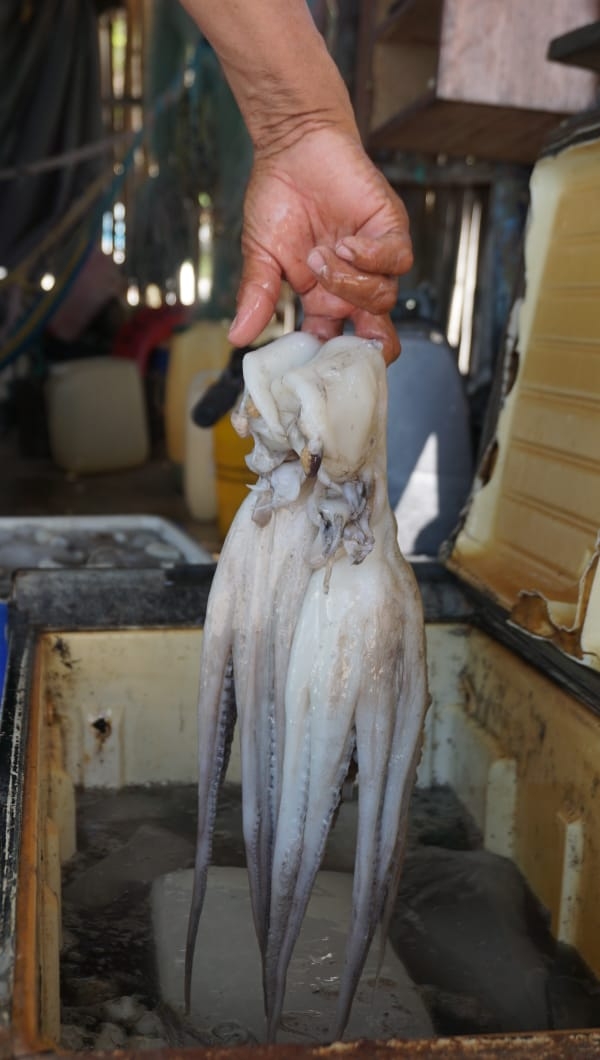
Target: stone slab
226,991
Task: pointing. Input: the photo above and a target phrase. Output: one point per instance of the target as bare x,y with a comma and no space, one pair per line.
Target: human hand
319,213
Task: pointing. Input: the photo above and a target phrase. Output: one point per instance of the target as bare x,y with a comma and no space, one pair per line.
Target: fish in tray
318,617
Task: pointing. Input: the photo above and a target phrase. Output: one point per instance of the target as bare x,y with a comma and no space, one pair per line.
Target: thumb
257,298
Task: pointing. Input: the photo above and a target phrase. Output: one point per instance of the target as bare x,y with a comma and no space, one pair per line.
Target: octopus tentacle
229,714
319,741
413,701
215,725
389,719
280,577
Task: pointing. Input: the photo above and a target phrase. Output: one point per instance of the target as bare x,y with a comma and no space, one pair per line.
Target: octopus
314,643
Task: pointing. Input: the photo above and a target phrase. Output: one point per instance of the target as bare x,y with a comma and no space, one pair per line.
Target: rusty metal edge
558,1045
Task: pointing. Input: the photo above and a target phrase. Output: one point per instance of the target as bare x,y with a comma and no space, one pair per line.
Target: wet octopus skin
251,615
348,670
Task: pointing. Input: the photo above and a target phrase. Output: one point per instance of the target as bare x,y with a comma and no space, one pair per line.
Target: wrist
283,103
275,132
278,67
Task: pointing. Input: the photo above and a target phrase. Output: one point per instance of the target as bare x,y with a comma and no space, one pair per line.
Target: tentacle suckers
321,616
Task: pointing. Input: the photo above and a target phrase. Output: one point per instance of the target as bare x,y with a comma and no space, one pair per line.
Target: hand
320,214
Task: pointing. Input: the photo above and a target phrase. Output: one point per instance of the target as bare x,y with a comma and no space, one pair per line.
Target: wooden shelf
463,77
459,129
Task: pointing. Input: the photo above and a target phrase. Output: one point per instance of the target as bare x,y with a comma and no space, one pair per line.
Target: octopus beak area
250,408
240,423
311,461
244,416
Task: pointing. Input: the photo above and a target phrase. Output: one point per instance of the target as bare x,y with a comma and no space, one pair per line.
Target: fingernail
239,320
316,262
344,252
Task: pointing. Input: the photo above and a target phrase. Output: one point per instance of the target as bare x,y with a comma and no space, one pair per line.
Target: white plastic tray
127,541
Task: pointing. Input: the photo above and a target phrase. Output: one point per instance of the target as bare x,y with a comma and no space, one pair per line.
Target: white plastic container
96,413
199,465
202,347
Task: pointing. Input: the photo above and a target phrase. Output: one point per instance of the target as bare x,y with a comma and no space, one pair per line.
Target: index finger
258,292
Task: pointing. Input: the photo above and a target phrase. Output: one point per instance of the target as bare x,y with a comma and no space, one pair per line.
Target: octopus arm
320,701
275,581
389,720
215,723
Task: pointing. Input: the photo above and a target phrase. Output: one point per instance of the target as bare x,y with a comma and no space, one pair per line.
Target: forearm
277,65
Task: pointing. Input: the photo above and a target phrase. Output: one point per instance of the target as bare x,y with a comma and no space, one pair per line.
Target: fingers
374,292
323,328
379,329
389,254
340,293
360,274
325,314
257,298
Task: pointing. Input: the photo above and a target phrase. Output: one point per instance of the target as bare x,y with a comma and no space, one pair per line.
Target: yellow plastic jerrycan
202,346
233,475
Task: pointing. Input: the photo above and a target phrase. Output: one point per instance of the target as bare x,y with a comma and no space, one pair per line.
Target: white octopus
320,617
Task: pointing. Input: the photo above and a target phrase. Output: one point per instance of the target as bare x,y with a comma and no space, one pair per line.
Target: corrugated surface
534,525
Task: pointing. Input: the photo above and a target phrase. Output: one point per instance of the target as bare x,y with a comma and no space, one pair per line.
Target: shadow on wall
430,460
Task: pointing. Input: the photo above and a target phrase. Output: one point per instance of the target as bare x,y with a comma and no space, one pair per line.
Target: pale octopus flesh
314,640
